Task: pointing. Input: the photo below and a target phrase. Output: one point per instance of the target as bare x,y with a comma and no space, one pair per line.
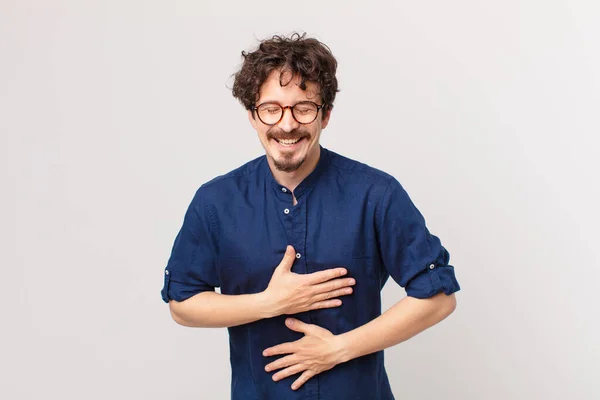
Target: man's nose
288,123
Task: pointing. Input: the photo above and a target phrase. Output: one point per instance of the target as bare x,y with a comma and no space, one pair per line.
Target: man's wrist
266,306
344,350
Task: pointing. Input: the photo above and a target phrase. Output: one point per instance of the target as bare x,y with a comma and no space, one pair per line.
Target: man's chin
285,164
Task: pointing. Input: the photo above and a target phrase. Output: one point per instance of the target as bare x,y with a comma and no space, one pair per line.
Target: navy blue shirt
348,214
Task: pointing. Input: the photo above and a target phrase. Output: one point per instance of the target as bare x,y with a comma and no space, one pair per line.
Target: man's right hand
291,293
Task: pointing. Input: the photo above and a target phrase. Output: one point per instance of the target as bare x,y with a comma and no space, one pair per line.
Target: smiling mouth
288,142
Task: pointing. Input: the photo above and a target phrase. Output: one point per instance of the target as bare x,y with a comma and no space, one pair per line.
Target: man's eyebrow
261,101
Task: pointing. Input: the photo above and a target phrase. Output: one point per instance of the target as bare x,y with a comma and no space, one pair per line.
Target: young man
308,233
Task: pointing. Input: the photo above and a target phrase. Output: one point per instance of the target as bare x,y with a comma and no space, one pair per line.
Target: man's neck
292,179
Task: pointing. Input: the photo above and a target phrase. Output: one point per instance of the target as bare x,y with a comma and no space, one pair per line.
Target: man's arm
319,350
404,320
287,293
214,310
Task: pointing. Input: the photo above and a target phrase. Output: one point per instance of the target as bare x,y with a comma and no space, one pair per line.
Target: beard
286,162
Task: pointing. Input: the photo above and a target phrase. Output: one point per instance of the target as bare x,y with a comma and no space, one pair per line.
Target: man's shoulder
224,185
358,171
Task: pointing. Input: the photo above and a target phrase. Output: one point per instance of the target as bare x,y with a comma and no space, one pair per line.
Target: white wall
112,113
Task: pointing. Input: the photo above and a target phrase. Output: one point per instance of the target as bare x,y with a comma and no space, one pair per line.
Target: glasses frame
283,108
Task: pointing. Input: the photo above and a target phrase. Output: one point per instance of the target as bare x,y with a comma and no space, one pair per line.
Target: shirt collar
306,184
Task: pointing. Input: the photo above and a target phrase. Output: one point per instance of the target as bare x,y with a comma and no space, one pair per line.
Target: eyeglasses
304,112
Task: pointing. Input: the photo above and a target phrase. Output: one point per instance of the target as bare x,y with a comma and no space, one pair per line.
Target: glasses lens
305,113
269,113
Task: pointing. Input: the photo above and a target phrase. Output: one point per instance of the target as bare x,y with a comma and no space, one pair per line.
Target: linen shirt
348,214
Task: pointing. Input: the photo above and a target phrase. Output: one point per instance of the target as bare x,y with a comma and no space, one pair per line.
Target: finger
307,329
288,259
299,326
333,294
326,304
334,285
306,375
289,371
283,348
282,363
324,276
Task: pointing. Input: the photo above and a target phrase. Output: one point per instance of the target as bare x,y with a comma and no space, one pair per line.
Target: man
308,233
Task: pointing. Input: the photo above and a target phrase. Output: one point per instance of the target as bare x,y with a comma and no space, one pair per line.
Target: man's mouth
288,142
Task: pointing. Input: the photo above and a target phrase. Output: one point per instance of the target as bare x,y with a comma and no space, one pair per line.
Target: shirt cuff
432,281
178,291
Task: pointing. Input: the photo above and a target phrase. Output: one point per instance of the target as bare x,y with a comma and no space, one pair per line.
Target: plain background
112,113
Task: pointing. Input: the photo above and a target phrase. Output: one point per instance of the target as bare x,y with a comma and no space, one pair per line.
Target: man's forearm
287,293
404,320
215,310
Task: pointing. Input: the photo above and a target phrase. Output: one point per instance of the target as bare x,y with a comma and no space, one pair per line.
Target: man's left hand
319,350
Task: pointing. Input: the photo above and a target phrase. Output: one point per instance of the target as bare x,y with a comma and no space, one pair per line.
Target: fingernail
289,321
351,281
343,272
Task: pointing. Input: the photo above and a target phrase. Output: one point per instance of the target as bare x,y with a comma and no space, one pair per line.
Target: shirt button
432,266
166,272
286,211
284,190
298,255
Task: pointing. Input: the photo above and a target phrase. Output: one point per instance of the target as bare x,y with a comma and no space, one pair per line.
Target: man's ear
251,118
325,120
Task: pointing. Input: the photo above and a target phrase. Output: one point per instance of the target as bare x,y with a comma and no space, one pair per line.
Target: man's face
286,157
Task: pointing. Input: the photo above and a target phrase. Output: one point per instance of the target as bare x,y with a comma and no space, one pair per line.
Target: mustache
276,133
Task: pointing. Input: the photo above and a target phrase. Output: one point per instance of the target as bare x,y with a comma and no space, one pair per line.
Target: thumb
299,326
288,259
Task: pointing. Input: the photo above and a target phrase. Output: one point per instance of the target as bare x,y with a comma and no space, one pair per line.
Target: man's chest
326,232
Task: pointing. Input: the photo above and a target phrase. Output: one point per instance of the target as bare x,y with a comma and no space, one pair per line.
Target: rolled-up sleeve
413,257
191,268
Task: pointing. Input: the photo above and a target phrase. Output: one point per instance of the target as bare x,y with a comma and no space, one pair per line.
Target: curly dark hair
307,58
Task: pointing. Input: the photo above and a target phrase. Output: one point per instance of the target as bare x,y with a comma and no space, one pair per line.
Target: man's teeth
288,142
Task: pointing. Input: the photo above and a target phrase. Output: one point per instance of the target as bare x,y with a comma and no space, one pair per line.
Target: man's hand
319,350
291,293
